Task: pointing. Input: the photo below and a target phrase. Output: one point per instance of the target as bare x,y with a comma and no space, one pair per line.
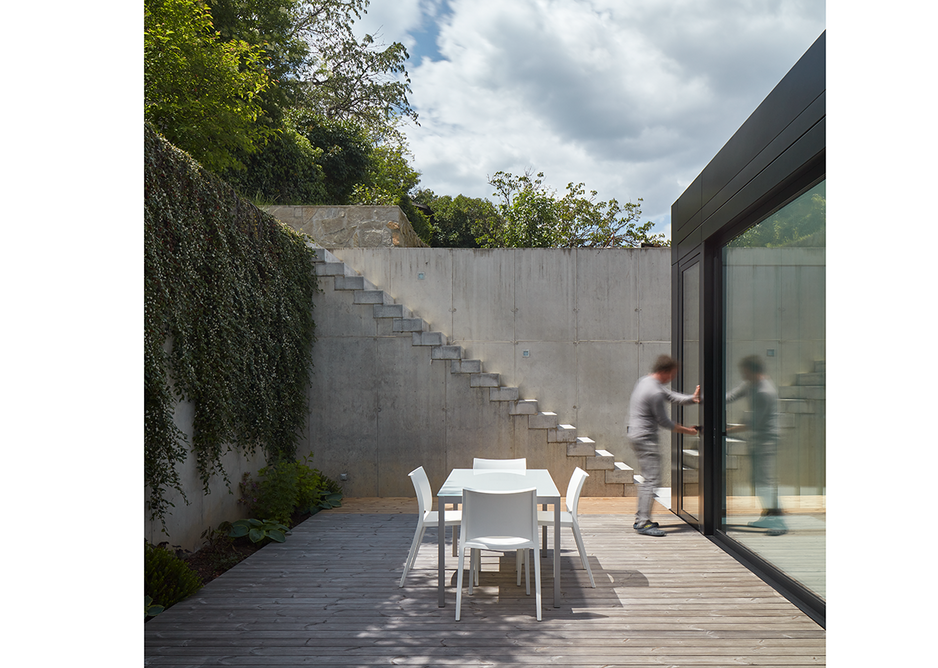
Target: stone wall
350,226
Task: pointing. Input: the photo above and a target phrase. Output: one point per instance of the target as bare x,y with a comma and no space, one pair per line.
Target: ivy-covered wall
228,329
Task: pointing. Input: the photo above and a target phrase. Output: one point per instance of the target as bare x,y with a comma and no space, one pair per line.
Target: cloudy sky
630,98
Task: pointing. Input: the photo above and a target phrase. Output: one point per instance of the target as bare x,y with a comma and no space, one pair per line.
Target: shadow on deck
329,597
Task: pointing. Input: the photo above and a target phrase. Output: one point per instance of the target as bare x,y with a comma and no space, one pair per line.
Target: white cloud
631,98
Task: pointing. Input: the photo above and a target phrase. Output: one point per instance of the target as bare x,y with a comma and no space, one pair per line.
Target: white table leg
557,554
441,556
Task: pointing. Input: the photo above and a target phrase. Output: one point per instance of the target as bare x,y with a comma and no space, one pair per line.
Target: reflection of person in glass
763,427
646,414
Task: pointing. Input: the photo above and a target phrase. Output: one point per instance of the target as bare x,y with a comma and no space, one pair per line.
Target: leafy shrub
167,579
285,488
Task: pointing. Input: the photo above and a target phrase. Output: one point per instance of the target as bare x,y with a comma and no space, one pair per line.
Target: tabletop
500,480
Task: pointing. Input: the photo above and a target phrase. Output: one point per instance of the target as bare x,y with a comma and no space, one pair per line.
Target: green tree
364,81
286,170
586,223
346,153
458,221
531,216
317,63
391,181
270,25
201,92
310,161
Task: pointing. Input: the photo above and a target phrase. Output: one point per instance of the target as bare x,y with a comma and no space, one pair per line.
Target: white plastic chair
426,517
479,463
568,518
504,464
503,522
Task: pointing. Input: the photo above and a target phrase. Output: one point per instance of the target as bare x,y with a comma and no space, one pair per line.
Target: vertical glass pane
774,352
690,374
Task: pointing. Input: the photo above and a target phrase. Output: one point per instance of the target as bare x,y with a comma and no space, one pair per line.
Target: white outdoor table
498,480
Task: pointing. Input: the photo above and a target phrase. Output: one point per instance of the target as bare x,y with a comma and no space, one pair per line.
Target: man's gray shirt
647,410
763,402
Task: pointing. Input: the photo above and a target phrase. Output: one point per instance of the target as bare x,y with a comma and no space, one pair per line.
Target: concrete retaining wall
572,328
185,523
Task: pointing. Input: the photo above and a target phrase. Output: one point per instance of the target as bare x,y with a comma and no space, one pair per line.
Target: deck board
329,597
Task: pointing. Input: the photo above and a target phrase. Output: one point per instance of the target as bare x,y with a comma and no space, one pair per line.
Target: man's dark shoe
636,525
649,529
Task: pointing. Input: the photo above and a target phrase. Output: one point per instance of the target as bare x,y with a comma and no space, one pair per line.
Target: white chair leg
475,565
412,555
537,582
459,583
579,546
527,573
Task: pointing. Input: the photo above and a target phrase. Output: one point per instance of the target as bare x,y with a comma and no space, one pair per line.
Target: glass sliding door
690,375
773,434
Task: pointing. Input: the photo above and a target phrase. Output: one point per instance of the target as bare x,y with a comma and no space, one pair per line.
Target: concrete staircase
404,322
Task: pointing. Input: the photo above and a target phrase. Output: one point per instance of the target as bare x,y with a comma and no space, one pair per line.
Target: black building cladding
776,157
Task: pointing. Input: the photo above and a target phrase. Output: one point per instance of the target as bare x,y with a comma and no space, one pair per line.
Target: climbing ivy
228,323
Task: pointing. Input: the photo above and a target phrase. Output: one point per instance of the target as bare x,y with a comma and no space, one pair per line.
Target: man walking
647,413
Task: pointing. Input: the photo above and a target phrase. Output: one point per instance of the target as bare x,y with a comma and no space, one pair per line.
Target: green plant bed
167,579
221,553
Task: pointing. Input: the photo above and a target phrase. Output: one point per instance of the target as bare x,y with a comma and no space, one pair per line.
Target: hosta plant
258,530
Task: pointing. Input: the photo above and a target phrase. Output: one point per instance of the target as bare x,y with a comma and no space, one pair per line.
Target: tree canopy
531,215
201,92
281,99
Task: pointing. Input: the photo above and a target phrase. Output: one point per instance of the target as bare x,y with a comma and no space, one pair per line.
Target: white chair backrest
487,514
508,464
422,486
573,489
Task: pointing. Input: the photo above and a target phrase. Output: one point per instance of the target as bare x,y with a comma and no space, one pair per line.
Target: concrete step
484,380
810,379
321,254
466,366
524,407
582,447
691,476
621,473
392,311
403,325
504,394
810,392
736,447
446,353
545,420
429,339
333,269
562,433
603,460
797,406
376,297
353,283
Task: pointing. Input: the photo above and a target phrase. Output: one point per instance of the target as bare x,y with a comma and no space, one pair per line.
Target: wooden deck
329,597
